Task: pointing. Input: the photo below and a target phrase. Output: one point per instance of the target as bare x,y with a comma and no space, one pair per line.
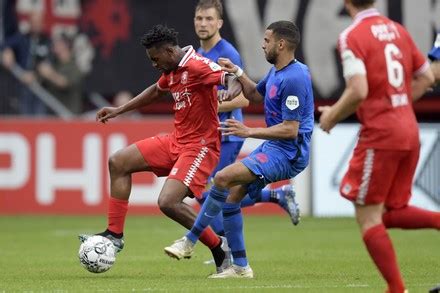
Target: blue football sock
265,195
247,201
233,222
217,223
210,209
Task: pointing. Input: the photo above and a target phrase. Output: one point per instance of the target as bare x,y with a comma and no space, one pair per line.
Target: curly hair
158,36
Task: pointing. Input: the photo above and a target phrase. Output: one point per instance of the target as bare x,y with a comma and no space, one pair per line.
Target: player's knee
115,164
222,179
166,205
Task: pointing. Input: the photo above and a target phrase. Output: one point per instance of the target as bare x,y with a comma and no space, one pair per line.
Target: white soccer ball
97,254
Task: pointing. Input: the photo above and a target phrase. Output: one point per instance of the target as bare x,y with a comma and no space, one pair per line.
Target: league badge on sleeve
214,66
292,102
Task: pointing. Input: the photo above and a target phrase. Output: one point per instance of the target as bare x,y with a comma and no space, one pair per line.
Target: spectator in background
27,51
62,77
384,73
434,55
121,98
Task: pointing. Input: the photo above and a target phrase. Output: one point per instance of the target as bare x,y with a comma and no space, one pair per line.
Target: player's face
162,59
207,23
270,45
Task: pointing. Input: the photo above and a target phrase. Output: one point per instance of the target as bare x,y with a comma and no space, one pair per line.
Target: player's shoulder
226,49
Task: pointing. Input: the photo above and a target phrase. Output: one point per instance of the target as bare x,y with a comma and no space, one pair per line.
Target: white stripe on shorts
366,176
195,166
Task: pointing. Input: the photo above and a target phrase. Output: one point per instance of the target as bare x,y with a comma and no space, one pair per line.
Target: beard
271,57
206,37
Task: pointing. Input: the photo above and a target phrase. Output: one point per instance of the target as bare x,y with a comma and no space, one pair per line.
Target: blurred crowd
39,72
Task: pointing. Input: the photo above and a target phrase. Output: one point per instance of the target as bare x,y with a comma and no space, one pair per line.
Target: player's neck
207,45
283,60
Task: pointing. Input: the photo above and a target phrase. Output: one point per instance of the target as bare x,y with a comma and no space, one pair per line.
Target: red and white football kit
385,158
191,151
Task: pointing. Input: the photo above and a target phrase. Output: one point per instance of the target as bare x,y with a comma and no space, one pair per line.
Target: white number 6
394,67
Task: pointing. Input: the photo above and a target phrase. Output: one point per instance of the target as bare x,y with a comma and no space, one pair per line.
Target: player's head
353,6
162,48
208,19
281,36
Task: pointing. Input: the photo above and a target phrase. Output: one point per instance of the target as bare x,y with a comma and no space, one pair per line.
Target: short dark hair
362,3
158,36
216,4
286,30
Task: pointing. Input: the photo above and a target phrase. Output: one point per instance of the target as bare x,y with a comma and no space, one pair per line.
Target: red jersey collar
189,52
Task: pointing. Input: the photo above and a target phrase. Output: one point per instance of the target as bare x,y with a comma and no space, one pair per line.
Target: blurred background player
384,73
287,91
187,155
208,21
434,55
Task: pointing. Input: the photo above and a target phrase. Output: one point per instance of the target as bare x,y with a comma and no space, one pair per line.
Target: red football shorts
380,176
190,164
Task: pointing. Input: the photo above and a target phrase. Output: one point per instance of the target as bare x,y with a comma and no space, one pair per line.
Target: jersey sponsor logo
292,102
181,99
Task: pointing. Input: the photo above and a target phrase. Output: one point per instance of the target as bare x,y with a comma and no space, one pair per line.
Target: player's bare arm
238,102
421,83
146,97
249,87
355,92
288,129
435,67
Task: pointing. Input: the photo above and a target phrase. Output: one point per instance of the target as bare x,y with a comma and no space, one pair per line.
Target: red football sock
382,252
209,238
117,210
411,217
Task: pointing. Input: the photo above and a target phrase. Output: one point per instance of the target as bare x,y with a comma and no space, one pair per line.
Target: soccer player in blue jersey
208,21
434,55
288,103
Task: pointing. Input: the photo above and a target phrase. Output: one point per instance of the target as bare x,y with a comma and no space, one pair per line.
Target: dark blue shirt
288,95
225,49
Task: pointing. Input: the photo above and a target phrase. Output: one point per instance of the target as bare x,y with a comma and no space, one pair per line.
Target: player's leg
367,184
401,215
121,165
229,151
232,175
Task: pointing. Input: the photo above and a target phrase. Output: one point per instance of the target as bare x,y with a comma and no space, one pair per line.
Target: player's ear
220,23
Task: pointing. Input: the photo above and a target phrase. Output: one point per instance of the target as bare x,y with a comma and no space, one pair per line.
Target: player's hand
224,96
227,65
106,113
234,127
325,121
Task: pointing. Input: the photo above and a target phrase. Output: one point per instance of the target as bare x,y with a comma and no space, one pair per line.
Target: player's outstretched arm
249,87
288,129
238,102
435,67
145,98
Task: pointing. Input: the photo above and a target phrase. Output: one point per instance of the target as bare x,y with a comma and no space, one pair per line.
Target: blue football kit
288,95
434,54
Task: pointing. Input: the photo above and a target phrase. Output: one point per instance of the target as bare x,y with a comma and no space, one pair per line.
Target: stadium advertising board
58,167
330,158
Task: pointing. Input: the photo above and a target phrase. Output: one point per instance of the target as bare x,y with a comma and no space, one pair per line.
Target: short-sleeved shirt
391,60
193,87
225,49
434,54
288,95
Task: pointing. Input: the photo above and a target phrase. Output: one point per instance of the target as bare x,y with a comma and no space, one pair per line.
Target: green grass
39,254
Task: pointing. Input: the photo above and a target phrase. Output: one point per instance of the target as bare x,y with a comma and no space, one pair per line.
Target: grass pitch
39,254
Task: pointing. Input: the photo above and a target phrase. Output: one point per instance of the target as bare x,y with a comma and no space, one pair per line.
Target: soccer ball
97,254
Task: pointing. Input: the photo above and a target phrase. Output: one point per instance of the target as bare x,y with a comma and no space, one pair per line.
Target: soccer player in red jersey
384,73
188,154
